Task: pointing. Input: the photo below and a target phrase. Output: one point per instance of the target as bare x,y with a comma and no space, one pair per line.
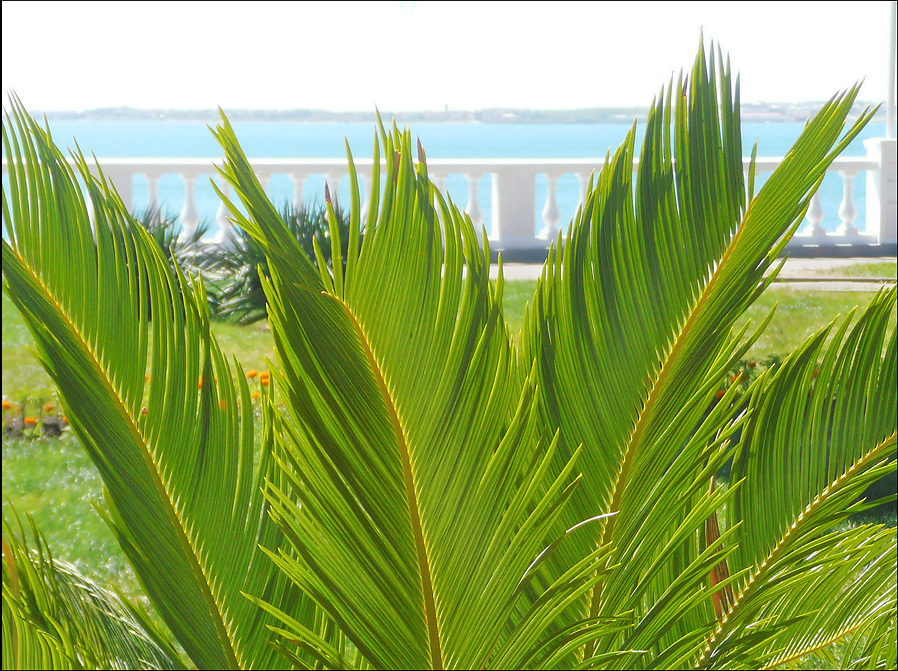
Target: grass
55,481
799,313
883,269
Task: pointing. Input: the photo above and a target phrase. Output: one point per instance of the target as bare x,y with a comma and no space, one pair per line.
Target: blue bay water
181,139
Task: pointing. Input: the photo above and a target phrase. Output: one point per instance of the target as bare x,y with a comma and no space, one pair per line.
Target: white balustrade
582,180
363,199
225,235
332,180
551,213
190,216
473,208
814,216
511,204
299,179
153,188
847,210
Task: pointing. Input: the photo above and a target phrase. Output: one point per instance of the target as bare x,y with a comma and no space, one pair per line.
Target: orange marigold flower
199,384
65,420
30,421
7,405
146,378
264,381
144,411
264,374
251,373
816,371
736,377
255,395
752,364
222,404
49,407
720,393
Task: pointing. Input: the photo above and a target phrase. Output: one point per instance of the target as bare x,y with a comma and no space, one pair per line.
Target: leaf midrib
180,531
620,483
756,576
408,477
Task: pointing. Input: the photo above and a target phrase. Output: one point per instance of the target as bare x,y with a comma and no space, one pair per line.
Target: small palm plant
187,251
435,494
239,294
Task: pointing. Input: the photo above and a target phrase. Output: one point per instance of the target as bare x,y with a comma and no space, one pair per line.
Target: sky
409,56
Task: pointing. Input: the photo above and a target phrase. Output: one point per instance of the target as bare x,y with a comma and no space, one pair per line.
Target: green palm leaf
182,491
799,482
631,329
417,494
54,617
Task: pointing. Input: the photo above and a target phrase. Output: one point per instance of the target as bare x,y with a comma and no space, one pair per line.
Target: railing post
847,210
814,216
189,215
882,183
299,179
152,189
473,208
226,237
364,197
551,214
514,215
582,179
332,179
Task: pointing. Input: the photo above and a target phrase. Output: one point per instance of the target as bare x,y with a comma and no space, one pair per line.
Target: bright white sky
405,56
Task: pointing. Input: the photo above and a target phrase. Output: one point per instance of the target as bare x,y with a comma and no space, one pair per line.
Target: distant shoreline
751,112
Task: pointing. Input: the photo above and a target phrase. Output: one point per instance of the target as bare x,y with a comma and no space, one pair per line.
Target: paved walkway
802,272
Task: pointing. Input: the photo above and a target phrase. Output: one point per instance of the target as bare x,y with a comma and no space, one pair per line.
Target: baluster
153,189
582,181
439,181
333,183
473,208
91,217
190,217
299,179
226,236
814,217
363,194
847,210
551,214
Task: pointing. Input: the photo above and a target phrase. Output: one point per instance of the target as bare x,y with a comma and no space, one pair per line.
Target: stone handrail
512,203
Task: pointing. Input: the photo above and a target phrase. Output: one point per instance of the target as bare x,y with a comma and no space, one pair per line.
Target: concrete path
805,274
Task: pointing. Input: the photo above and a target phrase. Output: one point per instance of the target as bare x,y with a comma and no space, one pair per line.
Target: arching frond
181,487
822,429
631,329
54,617
418,495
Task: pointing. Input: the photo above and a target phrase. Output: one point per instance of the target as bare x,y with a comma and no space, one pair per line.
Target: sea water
261,139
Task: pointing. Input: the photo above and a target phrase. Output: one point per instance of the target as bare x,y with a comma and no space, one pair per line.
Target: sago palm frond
632,329
54,617
182,489
820,431
417,493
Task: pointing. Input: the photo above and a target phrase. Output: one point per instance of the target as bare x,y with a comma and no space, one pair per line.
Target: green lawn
799,312
885,269
55,481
